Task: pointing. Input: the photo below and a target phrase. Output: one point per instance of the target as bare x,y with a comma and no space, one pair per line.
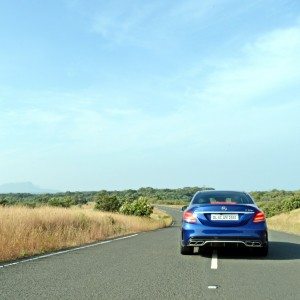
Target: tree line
163,196
271,202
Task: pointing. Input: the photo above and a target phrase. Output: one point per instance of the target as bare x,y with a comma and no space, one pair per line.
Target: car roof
220,192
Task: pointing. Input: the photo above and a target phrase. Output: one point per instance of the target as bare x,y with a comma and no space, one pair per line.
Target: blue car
221,219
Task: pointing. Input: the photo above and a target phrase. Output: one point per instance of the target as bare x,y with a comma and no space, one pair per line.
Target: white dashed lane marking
214,260
213,287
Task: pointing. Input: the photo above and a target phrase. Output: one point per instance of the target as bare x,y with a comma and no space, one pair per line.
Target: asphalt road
149,266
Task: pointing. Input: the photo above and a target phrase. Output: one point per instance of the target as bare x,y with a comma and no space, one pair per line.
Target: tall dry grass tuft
25,231
287,222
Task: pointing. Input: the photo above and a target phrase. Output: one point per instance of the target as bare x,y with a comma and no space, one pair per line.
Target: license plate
224,217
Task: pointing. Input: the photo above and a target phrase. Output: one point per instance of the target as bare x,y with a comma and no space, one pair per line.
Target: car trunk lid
225,214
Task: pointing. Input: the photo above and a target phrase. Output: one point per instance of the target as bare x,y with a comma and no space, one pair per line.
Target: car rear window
222,198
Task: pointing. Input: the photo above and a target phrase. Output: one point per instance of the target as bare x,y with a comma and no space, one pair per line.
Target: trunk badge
224,208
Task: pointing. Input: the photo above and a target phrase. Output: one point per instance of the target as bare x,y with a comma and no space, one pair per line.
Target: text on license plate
224,217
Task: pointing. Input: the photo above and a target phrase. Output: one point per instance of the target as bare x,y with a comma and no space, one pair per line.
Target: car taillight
259,217
189,217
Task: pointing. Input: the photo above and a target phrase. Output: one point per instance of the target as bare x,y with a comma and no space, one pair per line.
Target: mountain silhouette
23,187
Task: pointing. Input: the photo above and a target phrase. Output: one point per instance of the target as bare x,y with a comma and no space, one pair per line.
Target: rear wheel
186,250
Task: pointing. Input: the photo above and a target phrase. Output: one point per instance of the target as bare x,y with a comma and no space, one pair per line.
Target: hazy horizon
127,94
29,187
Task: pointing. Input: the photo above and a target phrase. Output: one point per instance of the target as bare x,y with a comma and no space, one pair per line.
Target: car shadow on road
283,251
277,251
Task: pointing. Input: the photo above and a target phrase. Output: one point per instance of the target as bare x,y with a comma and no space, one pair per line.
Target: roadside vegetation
34,224
271,202
28,231
275,207
282,209
287,222
68,199
277,201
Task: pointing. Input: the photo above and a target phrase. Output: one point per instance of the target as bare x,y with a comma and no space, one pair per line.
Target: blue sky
124,94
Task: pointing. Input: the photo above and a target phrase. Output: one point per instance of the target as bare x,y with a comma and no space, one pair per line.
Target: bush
139,207
275,207
107,203
79,199
61,201
4,202
292,203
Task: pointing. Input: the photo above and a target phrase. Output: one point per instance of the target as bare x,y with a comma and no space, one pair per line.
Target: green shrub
139,207
61,201
4,202
79,199
292,203
107,203
275,207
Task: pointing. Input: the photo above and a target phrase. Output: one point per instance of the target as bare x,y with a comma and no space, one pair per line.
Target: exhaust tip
253,243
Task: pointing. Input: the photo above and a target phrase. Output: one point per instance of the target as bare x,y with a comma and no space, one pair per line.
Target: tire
186,250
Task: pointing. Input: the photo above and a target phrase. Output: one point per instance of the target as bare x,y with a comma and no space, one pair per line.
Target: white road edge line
214,260
65,251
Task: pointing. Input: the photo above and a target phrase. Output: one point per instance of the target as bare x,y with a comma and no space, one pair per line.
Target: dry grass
173,205
162,216
288,222
25,231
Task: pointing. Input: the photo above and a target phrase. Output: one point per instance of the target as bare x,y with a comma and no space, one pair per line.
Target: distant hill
23,187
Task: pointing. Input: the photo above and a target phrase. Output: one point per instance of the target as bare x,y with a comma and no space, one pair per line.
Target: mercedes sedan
221,219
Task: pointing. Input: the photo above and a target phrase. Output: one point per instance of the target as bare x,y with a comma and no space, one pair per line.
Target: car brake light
259,217
223,203
189,217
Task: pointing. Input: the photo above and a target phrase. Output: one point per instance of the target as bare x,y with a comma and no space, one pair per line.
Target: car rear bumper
202,236
221,242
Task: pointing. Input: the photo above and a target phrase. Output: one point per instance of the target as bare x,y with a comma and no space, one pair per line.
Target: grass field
287,222
26,231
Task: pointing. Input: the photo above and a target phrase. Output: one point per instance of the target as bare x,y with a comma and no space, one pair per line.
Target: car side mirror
183,208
